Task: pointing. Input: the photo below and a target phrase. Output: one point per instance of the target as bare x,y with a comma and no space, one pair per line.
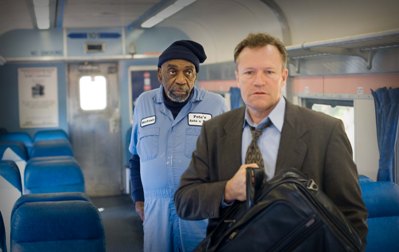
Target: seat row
382,202
39,192
20,145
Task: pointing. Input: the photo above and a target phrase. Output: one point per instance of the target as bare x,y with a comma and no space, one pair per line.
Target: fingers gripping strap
254,179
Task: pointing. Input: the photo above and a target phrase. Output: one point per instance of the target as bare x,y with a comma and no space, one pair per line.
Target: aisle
123,227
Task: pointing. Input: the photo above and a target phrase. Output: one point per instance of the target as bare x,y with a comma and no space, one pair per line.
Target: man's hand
139,205
236,187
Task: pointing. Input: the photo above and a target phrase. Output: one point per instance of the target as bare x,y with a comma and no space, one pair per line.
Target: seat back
45,175
10,192
53,134
56,222
22,137
382,203
381,198
13,151
60,147
17,152
3,246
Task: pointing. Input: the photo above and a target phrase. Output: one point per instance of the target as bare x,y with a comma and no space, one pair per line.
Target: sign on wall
38,97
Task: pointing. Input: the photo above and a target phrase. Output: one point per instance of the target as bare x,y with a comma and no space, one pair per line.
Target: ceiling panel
104,13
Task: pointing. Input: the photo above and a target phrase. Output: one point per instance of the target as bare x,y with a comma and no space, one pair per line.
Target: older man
166,124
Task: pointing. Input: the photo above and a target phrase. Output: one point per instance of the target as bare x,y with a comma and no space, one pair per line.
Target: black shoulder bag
288,213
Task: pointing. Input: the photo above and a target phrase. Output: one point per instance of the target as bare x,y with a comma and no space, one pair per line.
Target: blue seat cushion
383,234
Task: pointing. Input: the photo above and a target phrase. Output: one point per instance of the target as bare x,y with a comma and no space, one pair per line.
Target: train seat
23,137
53,134
3,246
364,178
56,222
382,203
10,192
17,152
60,174
51,148
13,151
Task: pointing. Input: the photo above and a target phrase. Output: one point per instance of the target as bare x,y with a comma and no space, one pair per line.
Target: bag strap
254,179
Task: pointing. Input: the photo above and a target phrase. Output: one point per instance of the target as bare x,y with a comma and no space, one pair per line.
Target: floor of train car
123,227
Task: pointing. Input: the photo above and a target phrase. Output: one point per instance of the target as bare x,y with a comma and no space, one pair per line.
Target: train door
94,125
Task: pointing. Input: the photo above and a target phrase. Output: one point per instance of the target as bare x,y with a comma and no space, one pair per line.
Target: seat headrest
51,148
54,134
50,176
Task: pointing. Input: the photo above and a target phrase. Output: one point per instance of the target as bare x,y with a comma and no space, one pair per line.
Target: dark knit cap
186,50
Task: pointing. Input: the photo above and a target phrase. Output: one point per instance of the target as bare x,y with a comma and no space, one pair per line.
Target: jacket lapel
231,144
293,148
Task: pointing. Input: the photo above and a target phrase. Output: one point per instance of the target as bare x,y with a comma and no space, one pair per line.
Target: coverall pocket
148,143
191,140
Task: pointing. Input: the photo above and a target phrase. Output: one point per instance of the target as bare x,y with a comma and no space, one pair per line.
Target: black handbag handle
254,179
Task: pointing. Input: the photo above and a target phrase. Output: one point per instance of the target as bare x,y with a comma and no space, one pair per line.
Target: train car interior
71,71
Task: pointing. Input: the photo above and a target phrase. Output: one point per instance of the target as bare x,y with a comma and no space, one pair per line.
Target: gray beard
177,99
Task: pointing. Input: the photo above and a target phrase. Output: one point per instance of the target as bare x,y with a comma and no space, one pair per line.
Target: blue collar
276,116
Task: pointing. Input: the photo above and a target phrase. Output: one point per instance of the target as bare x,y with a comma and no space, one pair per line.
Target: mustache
180,89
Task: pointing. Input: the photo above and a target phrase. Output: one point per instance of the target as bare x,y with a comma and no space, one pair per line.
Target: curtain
386,101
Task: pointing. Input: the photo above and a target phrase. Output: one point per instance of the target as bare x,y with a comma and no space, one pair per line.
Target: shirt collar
276,116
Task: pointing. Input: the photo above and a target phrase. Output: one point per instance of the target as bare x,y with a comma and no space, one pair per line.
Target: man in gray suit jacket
310,141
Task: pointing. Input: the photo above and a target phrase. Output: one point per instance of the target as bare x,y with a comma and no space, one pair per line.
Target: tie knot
256,132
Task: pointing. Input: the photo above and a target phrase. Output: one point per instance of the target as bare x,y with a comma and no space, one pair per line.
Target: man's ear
284,77
159,75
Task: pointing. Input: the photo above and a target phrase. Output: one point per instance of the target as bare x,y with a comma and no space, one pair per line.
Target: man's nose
180,78
260,78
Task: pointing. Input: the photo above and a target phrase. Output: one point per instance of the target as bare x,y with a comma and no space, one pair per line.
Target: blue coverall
164,145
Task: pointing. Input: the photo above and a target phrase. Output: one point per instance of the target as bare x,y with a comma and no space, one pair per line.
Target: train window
341,109
93,92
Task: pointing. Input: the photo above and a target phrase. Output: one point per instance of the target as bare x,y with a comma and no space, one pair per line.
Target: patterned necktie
253,154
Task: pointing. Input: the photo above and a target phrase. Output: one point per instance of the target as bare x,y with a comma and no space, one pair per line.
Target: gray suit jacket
310,141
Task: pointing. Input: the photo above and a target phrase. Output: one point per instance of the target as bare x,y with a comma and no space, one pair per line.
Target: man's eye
172,72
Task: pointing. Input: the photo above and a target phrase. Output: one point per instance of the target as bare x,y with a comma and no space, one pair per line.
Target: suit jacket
312,142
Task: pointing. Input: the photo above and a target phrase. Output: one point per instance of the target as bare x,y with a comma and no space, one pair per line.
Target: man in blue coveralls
166,124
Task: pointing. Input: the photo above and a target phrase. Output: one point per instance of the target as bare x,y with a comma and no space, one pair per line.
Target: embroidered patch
197,119
147,121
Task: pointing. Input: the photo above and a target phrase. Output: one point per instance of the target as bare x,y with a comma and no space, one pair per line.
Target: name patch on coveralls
197,119
147,121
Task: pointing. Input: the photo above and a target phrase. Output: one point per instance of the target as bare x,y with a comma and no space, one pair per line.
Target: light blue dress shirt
269,141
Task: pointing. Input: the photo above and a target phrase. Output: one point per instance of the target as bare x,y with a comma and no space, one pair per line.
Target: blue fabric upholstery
56,222
382,202
10,172
53,175
10,192
381,198
51,148
364,178
54,134
383,234
3,246
18,137
17,147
